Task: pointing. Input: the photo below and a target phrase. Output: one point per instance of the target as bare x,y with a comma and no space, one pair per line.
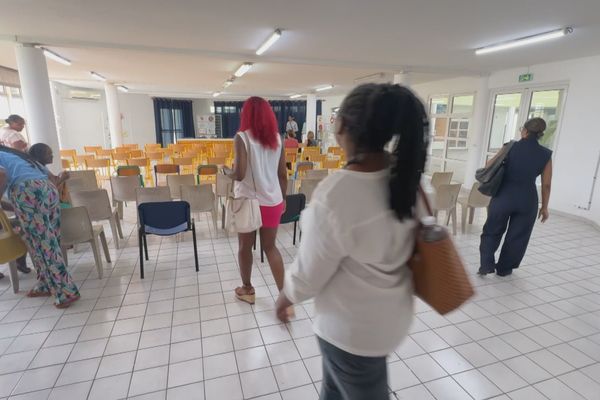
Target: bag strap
247,144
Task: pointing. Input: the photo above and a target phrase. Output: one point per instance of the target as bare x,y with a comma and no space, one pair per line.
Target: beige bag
243,214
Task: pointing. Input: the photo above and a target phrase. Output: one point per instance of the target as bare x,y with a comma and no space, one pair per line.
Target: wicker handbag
439,276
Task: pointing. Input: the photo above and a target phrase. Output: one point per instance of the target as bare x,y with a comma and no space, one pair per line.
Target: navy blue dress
514,209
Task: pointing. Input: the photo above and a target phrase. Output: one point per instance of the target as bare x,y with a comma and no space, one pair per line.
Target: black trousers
350,377
516,219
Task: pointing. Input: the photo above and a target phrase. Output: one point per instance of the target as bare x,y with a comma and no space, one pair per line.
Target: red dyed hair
258,119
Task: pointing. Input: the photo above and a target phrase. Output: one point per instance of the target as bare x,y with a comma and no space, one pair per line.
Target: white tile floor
179,334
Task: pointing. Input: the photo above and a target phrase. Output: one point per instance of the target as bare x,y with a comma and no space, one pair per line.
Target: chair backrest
224,185
217,160
294,204
330,164
136,153
122,150
123,187
68,153
291,187
174,183
66,164
183,160
132,146
91,149
88,178
308,186
152,146
98,163
165,218
96,202
304,166
104,153
139,162
476,198
316,174
75,226
82,158
446,196
441,178
149,195
335,150
155,155
201,197
11,245
166,169
128,170
208,169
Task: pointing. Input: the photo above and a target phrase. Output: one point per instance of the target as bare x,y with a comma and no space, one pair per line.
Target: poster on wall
328,133
205,126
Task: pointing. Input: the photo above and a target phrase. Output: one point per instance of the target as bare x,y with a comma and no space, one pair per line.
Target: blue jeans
350,377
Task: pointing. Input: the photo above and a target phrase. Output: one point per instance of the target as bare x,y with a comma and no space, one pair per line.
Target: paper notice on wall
205,126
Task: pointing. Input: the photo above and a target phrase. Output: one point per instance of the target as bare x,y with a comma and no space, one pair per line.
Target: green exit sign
525,77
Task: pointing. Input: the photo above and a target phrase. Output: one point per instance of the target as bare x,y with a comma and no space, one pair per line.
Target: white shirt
352,260
263,165
291,126
9,136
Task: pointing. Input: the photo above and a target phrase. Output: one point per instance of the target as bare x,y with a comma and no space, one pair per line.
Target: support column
114,115
35,87
311,113
403,78
477,130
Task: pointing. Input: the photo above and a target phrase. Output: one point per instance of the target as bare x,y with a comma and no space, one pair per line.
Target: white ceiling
188,48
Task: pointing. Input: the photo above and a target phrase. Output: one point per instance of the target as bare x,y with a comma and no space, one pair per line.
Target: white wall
137,111
578,145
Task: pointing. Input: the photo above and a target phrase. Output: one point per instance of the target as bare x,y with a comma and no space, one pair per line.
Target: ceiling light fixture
216,94
55,57
295,96
370,78
322,88
123,89
269,42
524,41
98,76
245,67
228,83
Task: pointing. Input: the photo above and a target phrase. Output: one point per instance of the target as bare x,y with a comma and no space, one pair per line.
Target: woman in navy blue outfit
514,209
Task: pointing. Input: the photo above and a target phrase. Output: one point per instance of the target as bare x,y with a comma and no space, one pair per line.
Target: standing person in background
515,206
10,135
292,126
353,258
36,204
259,173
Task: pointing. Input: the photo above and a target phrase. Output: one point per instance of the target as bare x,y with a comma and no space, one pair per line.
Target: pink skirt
271,215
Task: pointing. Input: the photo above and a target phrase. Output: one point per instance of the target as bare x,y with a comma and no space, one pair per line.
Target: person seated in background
10,135
290,140
310,139
42,153
21,261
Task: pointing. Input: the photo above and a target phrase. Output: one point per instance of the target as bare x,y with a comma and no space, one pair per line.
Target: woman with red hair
259,172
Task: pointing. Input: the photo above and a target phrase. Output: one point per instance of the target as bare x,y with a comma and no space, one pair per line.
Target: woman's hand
544,214
281,307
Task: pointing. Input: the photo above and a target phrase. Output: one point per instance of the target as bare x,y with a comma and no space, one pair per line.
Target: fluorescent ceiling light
55,57
295,96
370,78
216,94
245,67
227,83
524,41
322,88
122,88
269,42
98,76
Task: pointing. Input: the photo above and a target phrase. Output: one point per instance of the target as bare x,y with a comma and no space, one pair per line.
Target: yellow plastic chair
11,248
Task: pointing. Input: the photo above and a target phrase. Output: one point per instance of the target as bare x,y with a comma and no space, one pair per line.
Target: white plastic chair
174,182
446,197
123,190
150,195
76,227
441,178
468,204
87,176
99,209
318,174
307,187
223,188
201,199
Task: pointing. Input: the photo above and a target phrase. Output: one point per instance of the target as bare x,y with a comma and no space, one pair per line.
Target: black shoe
23,268
504,273
485,270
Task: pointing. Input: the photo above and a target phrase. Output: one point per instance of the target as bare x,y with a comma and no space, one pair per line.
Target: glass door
505,120
547,104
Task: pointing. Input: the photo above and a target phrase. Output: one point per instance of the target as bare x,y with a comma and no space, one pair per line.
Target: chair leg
471,215
453,213
195,245
115,233
14,275
65,256
145,246
119,229
223,216
120,209
262,253
141,245
97,258
255,235
214,215
463,218
105,246
448,215
295,226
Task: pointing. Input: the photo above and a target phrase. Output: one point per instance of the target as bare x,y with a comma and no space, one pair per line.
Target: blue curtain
173,119
230,112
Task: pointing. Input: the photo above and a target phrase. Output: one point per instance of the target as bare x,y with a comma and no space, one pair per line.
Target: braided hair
373,114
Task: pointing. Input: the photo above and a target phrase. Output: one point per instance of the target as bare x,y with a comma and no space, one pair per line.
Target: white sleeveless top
263,164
